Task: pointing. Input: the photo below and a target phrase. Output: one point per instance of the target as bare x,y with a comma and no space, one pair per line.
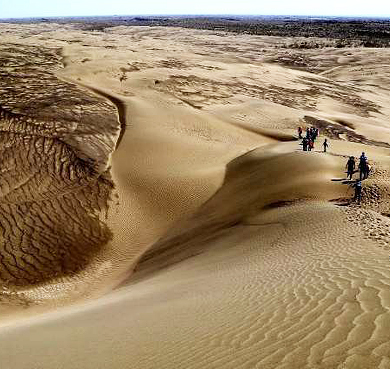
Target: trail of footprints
373,215
374,226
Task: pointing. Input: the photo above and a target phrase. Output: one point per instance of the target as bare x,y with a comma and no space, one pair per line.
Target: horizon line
200,15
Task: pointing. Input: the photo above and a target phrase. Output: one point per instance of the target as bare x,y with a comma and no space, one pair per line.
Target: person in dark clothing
367,170
325,144
358,191
314,134
300,132
363,166
310,144
307,133
305,144
350,167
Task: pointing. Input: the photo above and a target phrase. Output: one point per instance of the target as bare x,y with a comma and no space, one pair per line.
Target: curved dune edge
183,188
115,260
137,198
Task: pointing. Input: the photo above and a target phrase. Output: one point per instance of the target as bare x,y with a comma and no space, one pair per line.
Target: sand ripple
54,187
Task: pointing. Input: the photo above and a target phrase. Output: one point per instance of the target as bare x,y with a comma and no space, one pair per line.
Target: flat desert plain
157,209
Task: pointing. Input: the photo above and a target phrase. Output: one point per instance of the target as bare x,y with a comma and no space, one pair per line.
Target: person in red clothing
311,144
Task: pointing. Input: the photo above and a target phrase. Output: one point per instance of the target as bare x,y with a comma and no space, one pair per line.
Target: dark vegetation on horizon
367,32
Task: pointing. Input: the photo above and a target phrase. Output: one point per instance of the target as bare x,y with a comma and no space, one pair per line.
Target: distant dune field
157,209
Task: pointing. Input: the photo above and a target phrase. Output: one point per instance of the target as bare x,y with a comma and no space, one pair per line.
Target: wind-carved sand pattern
54,187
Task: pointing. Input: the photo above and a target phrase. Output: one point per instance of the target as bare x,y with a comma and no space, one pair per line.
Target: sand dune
154,192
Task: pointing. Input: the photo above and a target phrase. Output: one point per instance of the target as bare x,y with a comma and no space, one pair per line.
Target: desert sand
157,209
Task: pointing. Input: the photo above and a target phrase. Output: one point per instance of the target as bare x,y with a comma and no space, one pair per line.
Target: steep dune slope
266,178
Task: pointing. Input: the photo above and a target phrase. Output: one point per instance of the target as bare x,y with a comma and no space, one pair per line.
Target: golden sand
166,210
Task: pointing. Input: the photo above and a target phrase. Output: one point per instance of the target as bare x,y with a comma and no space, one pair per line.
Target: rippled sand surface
156,209
54,143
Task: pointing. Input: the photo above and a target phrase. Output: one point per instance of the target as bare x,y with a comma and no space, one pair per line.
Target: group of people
363,167
364,170
311,135
309,139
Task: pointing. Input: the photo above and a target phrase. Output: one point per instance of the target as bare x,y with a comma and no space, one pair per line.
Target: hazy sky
45,8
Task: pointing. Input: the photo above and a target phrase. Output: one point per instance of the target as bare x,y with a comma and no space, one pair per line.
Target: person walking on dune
311,144
325,144
304,144
312,137
350,167
358,191
363,165
314,134
367,171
